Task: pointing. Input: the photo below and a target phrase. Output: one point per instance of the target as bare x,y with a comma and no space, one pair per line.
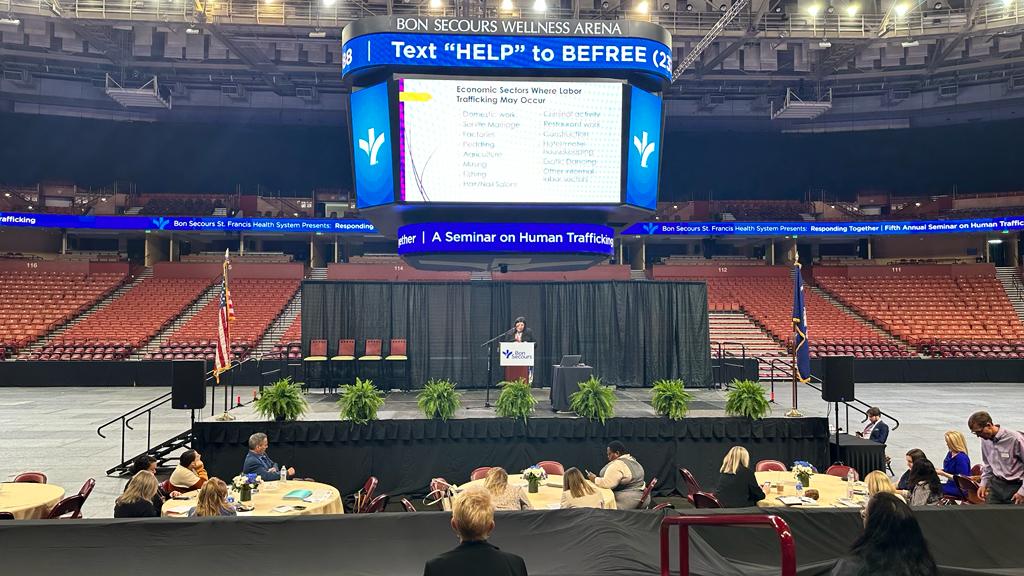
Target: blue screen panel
644,143
371,146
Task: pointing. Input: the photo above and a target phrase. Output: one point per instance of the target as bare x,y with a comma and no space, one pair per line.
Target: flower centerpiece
802,471
245,484
533,476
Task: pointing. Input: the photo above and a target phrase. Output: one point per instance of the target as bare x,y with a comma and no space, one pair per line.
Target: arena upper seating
961,313
290,344
761,209
35,303
128,322
181,207
247,258
257,302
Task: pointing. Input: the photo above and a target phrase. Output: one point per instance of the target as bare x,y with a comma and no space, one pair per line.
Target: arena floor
54,429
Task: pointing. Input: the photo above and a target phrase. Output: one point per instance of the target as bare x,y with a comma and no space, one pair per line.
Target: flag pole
225,416
795,372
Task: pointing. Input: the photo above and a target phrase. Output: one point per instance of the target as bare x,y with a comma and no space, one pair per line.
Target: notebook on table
298,494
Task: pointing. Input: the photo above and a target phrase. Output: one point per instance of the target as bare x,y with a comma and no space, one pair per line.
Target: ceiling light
722,8
643,7
901,9
995,241
540,6
918,204
851,9
435,4
813,10
507,5
317,34
1007,2
830,10
192,30
938,6
329,3
31,207
9,21
689,7
777,10
675,206
295,214
104,199
7,194
911,44
824,43
666,7
605,5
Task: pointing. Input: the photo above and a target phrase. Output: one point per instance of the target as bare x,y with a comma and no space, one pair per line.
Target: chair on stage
31,477
769,466
842,470
663,506
479,473
408,505
552,467
378,504
371,357
645,498
314,364
364,497
692,486
970,488
397,356
976,471
343,364
69,508
705,500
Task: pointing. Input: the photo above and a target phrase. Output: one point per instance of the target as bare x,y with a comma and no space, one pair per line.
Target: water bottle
284,473
799,489
850,479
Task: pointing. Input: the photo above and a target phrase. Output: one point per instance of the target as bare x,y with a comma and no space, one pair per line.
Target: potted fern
746,398
516,400
439,399
359,402
282,401
593,401
671,399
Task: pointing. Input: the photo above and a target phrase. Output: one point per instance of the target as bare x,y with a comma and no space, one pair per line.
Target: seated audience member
956,463
1002,457
147,463
257,461
473,521
213,500
623,475
578,492
879,481
737,486
892,543
504,495
913,455
876,430
190,473
138,500
925,487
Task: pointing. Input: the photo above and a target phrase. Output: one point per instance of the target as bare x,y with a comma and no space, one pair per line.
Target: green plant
439,399
282,400
671,399
516,400
593,400
746,398
359,402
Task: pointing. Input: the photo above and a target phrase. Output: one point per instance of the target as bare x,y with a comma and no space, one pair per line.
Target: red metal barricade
786,543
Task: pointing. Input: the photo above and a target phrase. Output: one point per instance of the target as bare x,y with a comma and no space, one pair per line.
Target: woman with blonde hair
737,486
956,463
137,500
578,492
878,481
213,500
504,495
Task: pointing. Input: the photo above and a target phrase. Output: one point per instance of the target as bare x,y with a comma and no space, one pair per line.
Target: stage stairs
736,334
153,346
279,326
1010,278
638,275
849,312
59,332
318,273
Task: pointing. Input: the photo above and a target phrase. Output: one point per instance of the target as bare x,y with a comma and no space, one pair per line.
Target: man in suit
257,462
473,521
876,430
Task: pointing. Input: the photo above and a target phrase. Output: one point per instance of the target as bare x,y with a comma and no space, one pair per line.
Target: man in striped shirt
1002,456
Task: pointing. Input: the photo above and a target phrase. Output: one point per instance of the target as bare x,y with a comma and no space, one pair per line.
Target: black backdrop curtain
632,333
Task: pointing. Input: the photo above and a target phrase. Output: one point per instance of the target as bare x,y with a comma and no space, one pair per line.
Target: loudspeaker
187,379
837,385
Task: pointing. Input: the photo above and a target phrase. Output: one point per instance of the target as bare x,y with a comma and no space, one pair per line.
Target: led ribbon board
881,228
447,237
187,224
506,43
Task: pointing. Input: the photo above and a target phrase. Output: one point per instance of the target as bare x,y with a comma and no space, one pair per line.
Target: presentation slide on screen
503,141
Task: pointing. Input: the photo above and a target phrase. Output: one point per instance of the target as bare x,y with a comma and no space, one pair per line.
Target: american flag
225,316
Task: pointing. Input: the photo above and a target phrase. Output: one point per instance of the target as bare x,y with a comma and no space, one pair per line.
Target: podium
517,359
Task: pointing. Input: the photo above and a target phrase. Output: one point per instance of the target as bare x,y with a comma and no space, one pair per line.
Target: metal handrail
787,545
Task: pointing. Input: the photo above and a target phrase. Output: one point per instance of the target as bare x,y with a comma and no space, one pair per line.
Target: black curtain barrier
405,454
965,540
633,333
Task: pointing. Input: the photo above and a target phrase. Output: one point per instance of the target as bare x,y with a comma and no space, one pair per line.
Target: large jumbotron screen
510,141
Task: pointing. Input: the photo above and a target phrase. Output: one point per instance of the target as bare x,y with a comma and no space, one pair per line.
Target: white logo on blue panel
372,145
644,147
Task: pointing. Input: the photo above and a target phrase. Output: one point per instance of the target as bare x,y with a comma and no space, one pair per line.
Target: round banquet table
27,500
548,496
270,496
831,489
